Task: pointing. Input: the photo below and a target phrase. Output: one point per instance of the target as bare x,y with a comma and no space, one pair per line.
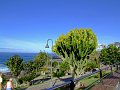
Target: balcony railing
69,85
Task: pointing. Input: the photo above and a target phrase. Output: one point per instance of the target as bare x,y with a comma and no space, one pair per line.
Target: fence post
101,76
72,85
111,69
100,73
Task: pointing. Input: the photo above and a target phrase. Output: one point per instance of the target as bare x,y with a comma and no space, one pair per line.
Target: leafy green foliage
5,78
74,48
94,56
80,42
91,65
58,74
29,67
27,71
64,67
41,60
110,55
55,64
15,65
27,78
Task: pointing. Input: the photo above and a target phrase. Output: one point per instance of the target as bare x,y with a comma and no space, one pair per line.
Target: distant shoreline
4,56
26,57
3,68
20,52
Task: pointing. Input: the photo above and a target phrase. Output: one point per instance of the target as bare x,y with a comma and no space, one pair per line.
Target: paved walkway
109,83
46,84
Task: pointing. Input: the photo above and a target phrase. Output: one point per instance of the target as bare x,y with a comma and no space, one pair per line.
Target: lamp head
47,46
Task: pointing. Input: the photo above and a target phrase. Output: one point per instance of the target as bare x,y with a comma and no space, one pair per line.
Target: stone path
47,83
109,83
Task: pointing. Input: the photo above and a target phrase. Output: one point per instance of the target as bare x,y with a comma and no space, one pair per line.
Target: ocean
6,55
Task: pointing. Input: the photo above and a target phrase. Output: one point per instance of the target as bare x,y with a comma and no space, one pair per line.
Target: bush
58,74
4,79
20,81
27,78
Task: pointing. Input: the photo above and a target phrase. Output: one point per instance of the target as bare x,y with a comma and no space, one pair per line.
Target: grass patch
90,81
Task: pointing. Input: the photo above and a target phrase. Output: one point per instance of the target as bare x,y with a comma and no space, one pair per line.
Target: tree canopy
40,60
15,64
110,55
75,46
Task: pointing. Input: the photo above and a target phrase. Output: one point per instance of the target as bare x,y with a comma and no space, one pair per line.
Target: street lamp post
47,46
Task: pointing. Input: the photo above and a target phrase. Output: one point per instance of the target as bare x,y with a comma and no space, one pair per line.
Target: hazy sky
25,25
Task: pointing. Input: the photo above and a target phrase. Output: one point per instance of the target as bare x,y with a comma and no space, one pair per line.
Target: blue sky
25,25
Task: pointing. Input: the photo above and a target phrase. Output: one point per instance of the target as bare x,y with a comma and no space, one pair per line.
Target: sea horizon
4,56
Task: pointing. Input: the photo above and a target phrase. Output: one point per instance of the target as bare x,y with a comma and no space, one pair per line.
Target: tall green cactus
74,48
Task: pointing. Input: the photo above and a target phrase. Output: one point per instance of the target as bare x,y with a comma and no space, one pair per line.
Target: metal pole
51,72
51,61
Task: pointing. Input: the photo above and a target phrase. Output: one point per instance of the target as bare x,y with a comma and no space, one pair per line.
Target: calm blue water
26,57
5,56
